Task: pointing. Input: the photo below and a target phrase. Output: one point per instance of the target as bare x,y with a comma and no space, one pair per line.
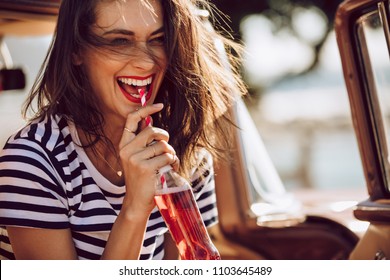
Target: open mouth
130,87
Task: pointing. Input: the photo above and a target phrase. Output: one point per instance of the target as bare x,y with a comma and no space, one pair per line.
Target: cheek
98,71
159,55
164,61
163,65
101,82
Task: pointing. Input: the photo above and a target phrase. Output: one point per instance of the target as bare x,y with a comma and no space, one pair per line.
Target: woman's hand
142,155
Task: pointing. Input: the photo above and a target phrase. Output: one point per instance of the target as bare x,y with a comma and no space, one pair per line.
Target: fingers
159,148
163,154
146,150
153,156
134,119
143,113
128,130
150,135
149,143
175,163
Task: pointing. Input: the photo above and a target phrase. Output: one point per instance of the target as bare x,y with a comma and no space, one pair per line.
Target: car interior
366,78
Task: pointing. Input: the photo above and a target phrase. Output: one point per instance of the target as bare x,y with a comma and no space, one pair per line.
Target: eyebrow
131,33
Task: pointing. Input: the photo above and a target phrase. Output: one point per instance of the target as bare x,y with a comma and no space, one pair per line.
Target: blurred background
297,94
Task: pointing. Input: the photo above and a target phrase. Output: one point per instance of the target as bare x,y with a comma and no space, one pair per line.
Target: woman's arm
42,244
126,238
125,241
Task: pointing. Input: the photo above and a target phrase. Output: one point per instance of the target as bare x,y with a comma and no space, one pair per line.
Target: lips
130,86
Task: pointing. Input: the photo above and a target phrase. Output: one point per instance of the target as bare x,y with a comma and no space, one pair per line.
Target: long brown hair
198,87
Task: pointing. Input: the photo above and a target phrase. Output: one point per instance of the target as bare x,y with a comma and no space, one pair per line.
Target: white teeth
136,82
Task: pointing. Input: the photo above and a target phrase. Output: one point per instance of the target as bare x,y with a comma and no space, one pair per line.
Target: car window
27,53
371,34
266,192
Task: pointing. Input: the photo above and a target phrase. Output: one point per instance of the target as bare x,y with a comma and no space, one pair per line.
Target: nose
143,59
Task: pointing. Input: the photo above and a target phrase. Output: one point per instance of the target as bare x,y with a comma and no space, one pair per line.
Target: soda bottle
177,205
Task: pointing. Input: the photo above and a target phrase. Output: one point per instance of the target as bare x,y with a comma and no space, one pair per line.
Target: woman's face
133,57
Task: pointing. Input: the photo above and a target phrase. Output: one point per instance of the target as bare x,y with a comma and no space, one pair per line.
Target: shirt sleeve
203,185
30,192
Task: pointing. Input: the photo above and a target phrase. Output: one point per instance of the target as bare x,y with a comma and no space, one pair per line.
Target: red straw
148,119
141,92
163,181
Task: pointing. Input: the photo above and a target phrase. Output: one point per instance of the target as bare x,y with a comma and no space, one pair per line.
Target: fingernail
158,105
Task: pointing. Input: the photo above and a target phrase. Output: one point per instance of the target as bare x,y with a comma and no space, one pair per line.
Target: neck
114,134
104,156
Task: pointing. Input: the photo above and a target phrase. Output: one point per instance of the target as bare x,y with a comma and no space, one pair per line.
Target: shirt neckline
102,181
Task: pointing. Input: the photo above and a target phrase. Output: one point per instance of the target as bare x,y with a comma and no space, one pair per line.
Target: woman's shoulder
47,132
39,154
46,140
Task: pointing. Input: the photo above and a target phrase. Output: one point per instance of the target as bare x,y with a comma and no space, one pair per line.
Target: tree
281,12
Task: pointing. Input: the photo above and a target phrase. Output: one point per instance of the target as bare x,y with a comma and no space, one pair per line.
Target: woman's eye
160,40
120,42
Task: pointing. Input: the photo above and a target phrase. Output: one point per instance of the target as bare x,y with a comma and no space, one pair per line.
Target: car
259,218
363,36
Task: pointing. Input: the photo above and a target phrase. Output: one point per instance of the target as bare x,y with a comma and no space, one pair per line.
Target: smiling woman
122,40
78,181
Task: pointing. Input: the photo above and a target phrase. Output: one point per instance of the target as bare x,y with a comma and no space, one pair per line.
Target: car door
257,213
258,217
363,35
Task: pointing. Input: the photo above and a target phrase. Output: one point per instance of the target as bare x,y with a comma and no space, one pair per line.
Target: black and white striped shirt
47,181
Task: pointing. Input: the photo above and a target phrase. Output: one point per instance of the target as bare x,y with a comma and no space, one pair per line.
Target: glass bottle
177,205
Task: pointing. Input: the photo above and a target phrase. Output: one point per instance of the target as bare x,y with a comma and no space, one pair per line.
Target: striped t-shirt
47,181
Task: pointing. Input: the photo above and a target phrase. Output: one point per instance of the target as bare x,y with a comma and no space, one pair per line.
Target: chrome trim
383,8
380,255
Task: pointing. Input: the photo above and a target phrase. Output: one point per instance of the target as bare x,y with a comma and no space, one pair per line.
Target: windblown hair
202,79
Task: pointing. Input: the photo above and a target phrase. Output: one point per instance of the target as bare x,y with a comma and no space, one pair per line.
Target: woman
78,181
